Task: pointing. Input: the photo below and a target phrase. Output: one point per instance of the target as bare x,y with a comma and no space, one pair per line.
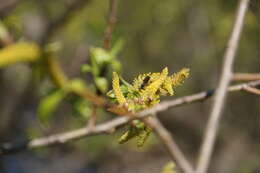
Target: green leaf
82,108
102,84
116,65
76,85
86,68
100,55
48,105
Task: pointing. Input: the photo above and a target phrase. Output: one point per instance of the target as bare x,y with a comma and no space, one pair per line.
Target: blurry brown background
172,33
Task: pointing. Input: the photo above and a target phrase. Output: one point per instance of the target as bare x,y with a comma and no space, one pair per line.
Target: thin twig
214,119
246,76
110,126
107,39
169,143
110,23
252,90
93,118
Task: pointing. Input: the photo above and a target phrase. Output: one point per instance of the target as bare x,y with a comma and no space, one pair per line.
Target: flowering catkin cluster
144,92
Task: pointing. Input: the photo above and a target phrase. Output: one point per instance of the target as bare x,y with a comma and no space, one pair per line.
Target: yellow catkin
151,89
118,93
167,85
19,52
178,78
139,80
57,74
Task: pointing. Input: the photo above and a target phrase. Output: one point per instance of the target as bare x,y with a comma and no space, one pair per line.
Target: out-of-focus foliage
50,102
19,52
103,60
169,168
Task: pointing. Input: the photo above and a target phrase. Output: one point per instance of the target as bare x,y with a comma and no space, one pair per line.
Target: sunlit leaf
102,84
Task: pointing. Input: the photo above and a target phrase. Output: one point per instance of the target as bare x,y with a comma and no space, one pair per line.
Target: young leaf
82,107
76,85
48,105
100,55
117,47
85,68
102,84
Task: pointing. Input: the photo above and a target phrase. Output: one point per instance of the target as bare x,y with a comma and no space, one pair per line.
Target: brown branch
93,118
169,143
111,21
246,76
111,125
104,128
107,39
252,90
215,116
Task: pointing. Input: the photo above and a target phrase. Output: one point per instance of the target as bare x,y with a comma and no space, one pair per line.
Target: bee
145,82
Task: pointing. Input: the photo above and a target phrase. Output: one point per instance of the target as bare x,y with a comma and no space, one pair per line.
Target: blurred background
156,34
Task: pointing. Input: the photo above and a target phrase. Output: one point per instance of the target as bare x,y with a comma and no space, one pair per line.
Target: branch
246,76
110,126
169,143
252,90
107,40
110,23
214,119
93,118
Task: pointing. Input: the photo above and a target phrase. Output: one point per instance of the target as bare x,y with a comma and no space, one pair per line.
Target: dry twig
110,23
246,76
110,126
93,118
169,143
252,90
214,119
